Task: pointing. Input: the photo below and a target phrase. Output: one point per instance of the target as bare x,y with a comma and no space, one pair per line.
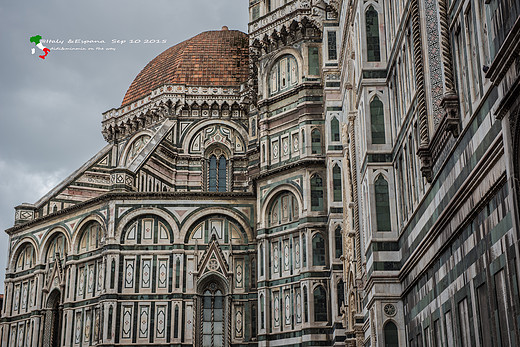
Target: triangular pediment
55,276
213,259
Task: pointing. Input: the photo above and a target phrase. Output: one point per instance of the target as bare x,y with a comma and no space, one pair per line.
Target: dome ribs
212,59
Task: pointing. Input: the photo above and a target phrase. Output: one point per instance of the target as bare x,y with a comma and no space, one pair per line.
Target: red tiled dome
212,58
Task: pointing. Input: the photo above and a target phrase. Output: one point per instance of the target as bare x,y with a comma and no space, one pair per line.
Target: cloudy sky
50,110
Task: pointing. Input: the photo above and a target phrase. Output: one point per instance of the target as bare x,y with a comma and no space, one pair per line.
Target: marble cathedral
344,174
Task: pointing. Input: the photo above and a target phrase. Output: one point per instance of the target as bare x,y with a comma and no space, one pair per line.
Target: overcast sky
50,110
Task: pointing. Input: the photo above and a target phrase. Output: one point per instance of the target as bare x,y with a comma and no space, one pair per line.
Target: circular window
389,309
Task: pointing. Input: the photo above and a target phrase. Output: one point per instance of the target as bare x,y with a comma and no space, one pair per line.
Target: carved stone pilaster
450,101
422,113
353,165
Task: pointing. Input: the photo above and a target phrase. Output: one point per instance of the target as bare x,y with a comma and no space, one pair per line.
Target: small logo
36,40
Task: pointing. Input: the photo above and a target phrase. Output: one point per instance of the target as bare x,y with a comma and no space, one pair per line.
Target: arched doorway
52,332
213,312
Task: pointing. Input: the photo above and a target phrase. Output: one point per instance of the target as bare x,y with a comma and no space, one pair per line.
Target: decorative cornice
107,197
164,102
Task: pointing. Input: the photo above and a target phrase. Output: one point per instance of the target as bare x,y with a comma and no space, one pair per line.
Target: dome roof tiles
212,58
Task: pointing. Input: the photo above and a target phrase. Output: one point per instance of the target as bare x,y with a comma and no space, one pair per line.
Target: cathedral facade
344,174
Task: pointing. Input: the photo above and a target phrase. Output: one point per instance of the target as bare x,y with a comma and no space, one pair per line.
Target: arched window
262,319
283,75
217,173
222,174
284,209
253,127
303,141
304,249
26,258
391,335
336,183
212,174
316,193
377,120
110,318
178,273
212,317
320,304
340,288
338,240
372,31
261,260
91,237
176,323
318,250
253,320
57,248
113,274
305,305
334,129
382,204
316,141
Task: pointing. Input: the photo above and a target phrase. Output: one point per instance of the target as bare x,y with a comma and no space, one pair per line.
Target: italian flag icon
36,40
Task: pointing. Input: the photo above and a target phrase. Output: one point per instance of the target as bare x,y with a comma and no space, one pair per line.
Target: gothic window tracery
217,171
283,74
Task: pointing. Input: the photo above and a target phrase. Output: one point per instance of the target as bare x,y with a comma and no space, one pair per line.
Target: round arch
203,213
390,334
209,277
129,143
287,51
273,194
78,230
49,237
187,138
130,216
18,248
